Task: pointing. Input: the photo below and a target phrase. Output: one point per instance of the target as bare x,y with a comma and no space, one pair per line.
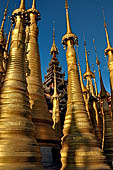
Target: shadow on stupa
79,148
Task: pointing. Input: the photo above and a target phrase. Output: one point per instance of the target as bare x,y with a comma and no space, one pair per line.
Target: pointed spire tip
34,4
66,4
54,47
84,40
104,17
22,4
5,14
53,31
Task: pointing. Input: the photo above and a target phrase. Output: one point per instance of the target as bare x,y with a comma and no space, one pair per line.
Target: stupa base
20,166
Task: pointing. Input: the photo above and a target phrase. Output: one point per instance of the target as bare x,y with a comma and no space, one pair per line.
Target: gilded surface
79,151
2,48
107,144
109,51
84,90
91,97
56,112
18,147
40,115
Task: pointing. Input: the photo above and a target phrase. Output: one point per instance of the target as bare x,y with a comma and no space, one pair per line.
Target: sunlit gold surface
56,112
45,135
107,144
96,91
18,147
109,51
103,92
79,146
89,75
84,90
6,54
2,48
108,132
54,48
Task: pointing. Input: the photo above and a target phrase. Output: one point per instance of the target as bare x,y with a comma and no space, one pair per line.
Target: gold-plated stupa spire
34,5
69,32
107,143
79,146
56,112
88,74
96,90
2,44
67,18
20,9
107,37
5,14
41,117
22,4
8,39
19,149
6,55
109,51
84,90
107,121
103,91
54,49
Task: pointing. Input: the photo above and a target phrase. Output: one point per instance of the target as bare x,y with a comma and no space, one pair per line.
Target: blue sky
85,16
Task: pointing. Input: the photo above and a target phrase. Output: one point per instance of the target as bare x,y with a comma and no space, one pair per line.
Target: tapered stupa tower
54,49
79,146
91,97
19,150
103,91
109,51
84,89
88,75
45,135
41,117
60,81
2,46
107,144
6,52
94,79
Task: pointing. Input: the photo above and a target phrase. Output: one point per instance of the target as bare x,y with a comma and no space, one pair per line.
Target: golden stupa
107,142
109,51
18,147
79,146
41,118
2,47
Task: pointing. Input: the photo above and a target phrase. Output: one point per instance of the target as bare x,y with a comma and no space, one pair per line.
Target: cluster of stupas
57,124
